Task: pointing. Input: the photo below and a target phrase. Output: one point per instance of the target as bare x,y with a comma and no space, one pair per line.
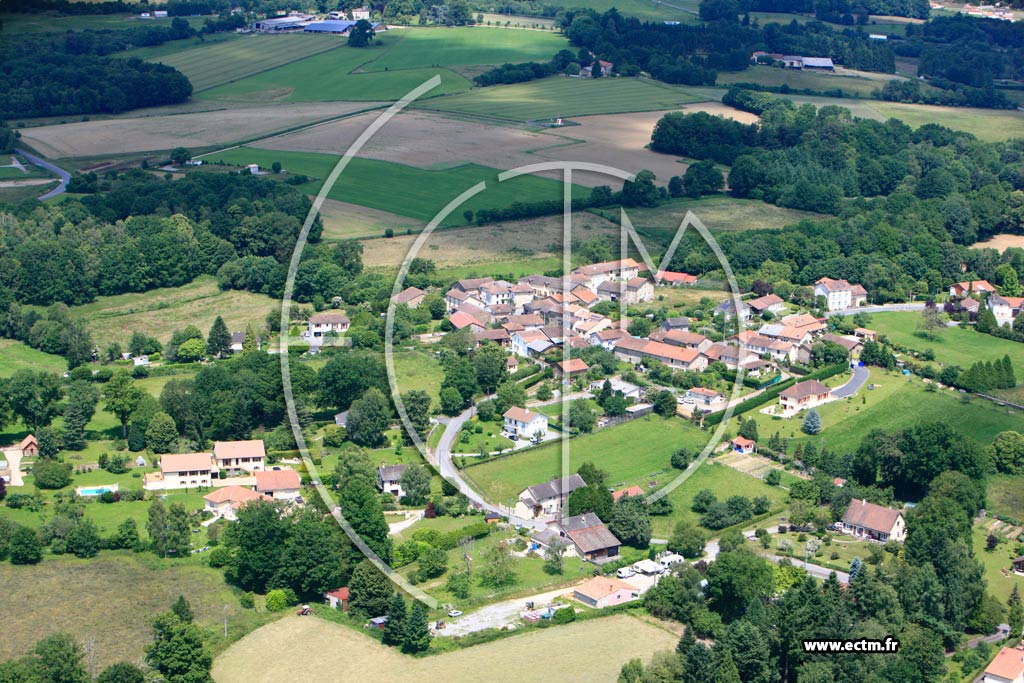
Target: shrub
276,600
247,600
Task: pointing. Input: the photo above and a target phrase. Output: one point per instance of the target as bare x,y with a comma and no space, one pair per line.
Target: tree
491,367
368,418
416,484
582,417
218,341
83,540
510,393
34,397
347,376
451,401
631,522
362,509
812,422
497,568
60,659
260,536
554,556
1007,452
736,579
417,409
78,411
361,34
190,351
688,540
702,178
121,398
179,155
162,434
121,672
25,547
50,474
417,632
1015,613
126,537
727,671
370,590
748,429
177,651
182,609
394,629
433,563
665,403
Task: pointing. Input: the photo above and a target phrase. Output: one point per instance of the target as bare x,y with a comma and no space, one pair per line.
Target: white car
454,613
624,572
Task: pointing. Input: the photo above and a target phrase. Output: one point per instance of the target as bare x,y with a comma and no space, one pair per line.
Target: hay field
718,213
1001,243
861,83
320,650
200,129
465,46
344,220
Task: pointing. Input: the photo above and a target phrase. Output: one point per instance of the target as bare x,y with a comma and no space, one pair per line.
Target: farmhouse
867,520
239,457
282,484
184,470
597,273
852,344
1005,308
632,291
636,351
1007,667
588,71
593,541
769,302
326,322
803,395
225,502
460,320
605,591
542,500
472,285
674,279
961,289
456,297
410,296
389,479
840,294
524,424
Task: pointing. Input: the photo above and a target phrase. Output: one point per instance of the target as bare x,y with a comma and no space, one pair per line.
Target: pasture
636,452
12,24
407,191
719,213
859,83
649,10
561,96
1006,495
15,356
160,312
88,598
156,52
411,48
317,646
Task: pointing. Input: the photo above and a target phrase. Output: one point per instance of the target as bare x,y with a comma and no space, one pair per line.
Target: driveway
411,518
60,172
860,376
501,613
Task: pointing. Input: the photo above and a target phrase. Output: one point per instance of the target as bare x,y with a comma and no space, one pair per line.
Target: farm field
317,646
861,83
895,403
408,191
1006,495
718,213
344,220
636,452
222,62
160,312
156,52
559,96
647,9
447,47
100,608
892,26
952,345
15,356
41,23
129,135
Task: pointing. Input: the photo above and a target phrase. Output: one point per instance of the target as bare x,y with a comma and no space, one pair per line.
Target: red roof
573,365
1008,664
743,442
670,276
631,491
186,462
339,593
460,319
231,494
277,480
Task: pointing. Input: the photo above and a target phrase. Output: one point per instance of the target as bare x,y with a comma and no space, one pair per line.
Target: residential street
860,376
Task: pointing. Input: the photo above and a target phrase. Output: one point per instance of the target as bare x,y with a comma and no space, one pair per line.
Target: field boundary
260,71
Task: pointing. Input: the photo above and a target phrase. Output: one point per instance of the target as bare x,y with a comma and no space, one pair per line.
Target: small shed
1018,565
338,598
378,622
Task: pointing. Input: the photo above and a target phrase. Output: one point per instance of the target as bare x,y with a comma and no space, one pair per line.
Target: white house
803,395
389,479
240,457
226,501
632,291
706,399
605,591
867,520
325,322
184,470
544,500
524,424
840,294
597,273
627,389
1005,308
282,484
1007,667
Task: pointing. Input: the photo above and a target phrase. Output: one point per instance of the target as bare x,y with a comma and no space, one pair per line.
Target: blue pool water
94,491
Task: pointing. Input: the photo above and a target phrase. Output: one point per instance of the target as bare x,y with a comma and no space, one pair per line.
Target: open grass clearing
718,213
158,52
317,646
1006,495
516,21
18,23
892,26
218,127
412,192
344,220
1001,243
411,48
561,96
111,599
1001,580
649,10
418,371
636,452
851,82
15,356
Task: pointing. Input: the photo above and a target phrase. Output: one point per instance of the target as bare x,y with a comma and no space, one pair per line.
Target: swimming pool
96,490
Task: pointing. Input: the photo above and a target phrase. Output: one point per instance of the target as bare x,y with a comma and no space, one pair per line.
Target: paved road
887,308
711,551
860,376
43,163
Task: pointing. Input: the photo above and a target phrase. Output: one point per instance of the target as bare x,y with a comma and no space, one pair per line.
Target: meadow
412,192
316,646
857,83
560,96
717,213
156,52
414,48
636,452
650,10
15,356
11,24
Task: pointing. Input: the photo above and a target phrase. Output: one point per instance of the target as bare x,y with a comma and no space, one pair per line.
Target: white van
671,559
624,572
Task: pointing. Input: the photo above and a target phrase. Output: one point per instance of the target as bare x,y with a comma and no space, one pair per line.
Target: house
279,484
237,344
729,355
839,294
570,368
525,424
454,298
593,541
461,319
769,302
631,491
681,338
607,339
858,295
389,479
761,345
743,445
632,291
786,333
1007,667
677,323
185,470
805,321
542,500
972,306
865,334
512,365
597,273
530,343
605,591
361,13
499,336
636,351
619,386
866,520
29,446
545,538
226,501
327,322
705,399
803,395
674,279
472,285
1005,308
853,345
588,71
410,296
1018,565
337,598
728,310
240,457
962,289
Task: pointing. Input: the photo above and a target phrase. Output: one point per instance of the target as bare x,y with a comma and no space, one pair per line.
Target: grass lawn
861,83
999,584
415,48
416,370
15,356
111,599
159,312
952,345
646,9
489,440
1006,495
315,645
633,452
560,96
512,269
724,481
414,192
13,24
158,52
895,403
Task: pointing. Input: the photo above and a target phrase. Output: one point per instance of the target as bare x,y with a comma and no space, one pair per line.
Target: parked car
454,613
624,572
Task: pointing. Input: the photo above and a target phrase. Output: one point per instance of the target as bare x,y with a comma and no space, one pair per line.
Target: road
43,163
711,551
887,308
860,376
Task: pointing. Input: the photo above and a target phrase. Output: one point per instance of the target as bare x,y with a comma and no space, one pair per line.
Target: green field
718,213
158,52
861,84
415,370
414,192
645,9
952,345
892,26
636,452
11,24
895,403
1006,495
446,47
995,563
15,356
560,96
